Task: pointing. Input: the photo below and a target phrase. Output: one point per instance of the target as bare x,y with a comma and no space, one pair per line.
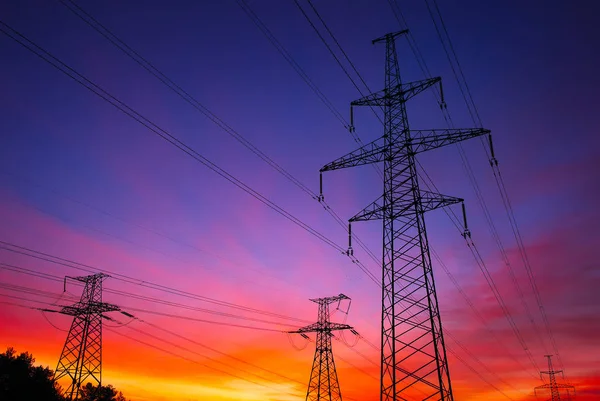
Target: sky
84,182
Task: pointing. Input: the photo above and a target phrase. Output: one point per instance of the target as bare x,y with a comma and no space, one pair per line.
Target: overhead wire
271,37
195,342
165,135
468,170
287,56
193,360
171,315
130,295
148,66
496,171
263,382
55,62
146,284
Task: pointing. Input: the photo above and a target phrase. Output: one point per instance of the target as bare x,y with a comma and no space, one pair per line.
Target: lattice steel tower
413,354
323,384
81,357
553,386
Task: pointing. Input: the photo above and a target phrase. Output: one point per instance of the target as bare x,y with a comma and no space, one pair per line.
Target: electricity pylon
553,386
413,354
81,357
323,384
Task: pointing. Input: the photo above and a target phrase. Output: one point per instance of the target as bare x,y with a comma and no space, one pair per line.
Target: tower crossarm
372,152
374,211
405,206
420,141
89,308
399,93
431,201
556,385
329,300
320,327
424,140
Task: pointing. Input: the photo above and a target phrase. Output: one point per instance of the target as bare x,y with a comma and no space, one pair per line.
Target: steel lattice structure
413,354
323,384
553,386
81,357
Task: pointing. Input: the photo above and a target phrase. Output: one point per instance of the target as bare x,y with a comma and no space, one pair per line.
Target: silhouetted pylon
81,357
323,384
413,352
553,386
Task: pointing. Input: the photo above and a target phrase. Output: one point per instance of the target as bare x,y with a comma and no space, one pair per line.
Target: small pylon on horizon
323,384
553,386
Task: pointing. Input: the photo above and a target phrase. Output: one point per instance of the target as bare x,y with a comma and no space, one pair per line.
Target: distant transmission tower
323,384
553,386
413,354
81,357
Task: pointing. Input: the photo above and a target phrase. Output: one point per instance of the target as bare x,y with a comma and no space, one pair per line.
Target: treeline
20,380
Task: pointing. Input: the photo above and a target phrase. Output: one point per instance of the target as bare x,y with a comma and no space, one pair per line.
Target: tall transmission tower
323,384
553,386
81,357
413,354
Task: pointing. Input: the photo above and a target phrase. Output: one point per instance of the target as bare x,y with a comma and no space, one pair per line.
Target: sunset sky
81,181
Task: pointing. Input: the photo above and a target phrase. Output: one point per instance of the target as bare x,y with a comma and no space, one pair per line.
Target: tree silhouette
21,381
90,392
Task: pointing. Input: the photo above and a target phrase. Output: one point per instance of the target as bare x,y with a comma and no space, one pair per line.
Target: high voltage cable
469,302
173,344
286,55
124,108
136,296
22,270
148,66
476,372
170,138
195,342
328,47
194,361
137,225
188,318
469,172
333,53
498,177
487,275
55,62
199,354
146,284
337,44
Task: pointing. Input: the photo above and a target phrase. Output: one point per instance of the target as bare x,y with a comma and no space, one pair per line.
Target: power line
124,108
287,56
130,295
469,171
148,66
191,351
82,80
146,284
193,360
33,291
497,175
220,352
